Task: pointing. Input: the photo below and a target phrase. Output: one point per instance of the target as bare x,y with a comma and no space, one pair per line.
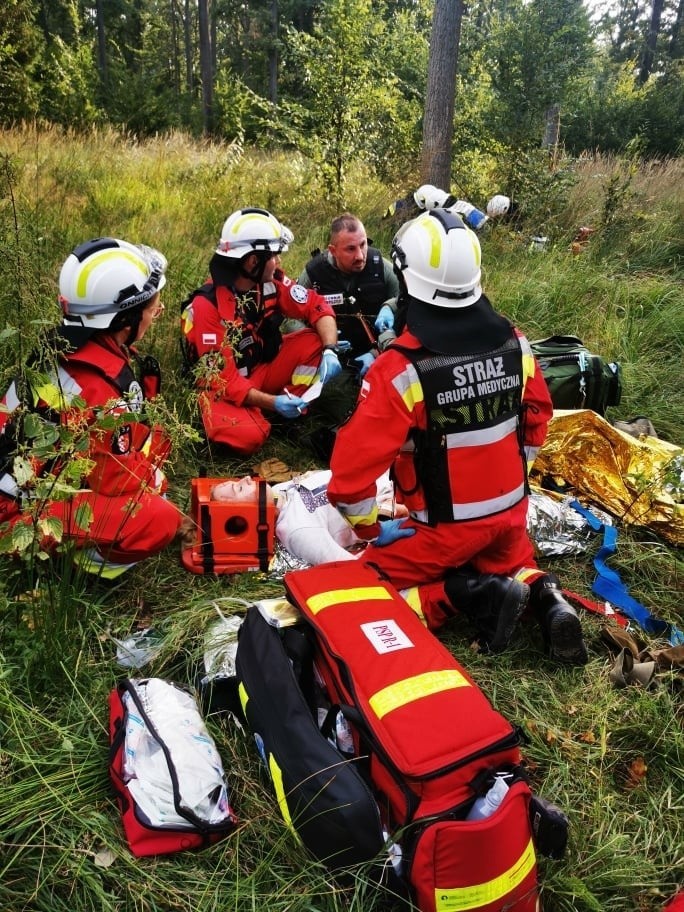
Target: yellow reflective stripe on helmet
277,779
341,596
423,685
248,217
97,259
435,242
459,899
477,251
244,697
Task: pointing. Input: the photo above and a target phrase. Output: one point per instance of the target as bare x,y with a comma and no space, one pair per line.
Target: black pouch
321,793
549,828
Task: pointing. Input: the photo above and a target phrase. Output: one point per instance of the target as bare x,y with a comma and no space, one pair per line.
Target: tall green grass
61,845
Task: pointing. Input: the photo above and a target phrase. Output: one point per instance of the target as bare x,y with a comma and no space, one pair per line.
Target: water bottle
486,805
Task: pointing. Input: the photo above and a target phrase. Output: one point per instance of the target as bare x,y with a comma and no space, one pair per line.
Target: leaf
105,858
636,773
32,424
51,527
22,537
23,471
84,516
588,737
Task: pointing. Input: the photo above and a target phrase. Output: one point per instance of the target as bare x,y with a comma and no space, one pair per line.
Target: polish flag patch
208,338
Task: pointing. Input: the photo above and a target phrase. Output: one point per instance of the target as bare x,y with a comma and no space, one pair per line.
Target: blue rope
610,587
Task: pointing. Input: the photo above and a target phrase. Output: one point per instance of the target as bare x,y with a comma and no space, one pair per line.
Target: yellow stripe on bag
277,779
410,689
244,697
460,899
339,596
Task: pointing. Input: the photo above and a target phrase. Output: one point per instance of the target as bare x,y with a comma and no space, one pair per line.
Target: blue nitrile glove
391,530
343,346
364,361
384,319
289,406
330,365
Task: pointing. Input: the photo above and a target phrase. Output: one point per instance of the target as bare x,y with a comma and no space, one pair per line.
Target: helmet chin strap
256,274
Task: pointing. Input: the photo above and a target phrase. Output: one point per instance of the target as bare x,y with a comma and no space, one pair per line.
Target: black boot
494,604
559,622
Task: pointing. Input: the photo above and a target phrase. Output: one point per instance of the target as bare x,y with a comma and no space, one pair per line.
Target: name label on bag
386,636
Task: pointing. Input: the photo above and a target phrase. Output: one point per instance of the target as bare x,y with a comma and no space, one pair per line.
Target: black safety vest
368,288
465,394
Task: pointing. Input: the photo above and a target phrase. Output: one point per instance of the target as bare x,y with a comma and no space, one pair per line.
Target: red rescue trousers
123,529
244,428
417,565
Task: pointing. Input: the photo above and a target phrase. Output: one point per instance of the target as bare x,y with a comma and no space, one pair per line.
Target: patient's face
242,490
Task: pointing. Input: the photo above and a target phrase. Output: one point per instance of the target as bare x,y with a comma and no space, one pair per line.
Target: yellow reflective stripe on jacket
304,375
361,512
58,391
342,596
460,899
412,598
528,366
423,685
408,385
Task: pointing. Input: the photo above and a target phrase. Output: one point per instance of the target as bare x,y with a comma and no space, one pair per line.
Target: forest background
106,130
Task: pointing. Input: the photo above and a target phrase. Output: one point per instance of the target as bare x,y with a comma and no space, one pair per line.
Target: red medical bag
433,740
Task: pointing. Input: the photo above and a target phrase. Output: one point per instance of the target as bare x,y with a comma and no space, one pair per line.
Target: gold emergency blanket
639,481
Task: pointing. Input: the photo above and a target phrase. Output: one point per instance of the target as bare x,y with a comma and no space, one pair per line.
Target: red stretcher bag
433,740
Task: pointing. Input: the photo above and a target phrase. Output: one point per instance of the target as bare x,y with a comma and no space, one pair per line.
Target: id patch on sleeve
299,294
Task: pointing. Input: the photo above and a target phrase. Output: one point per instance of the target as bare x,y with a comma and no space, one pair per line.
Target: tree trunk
438,119
674,50
101,43
273,55
187,36
648,55
552,130
206,69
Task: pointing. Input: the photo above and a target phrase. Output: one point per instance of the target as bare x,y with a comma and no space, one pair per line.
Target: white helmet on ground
498,206
438,258
106,277
429,197
253,231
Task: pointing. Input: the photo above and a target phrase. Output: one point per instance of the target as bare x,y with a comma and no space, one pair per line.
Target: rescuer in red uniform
458,407
96,385
232,326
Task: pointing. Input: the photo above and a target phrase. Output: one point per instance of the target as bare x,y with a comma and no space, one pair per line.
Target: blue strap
610,587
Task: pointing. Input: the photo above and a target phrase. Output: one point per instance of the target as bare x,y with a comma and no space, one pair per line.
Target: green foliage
538,50
349,96
20,47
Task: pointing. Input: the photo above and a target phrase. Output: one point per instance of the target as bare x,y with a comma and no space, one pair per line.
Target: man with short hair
365,280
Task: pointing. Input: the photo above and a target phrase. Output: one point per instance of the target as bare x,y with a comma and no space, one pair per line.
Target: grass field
612,759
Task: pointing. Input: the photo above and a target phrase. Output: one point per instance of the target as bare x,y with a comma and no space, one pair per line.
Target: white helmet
439,259
106,277
253,231
498,205
429,197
